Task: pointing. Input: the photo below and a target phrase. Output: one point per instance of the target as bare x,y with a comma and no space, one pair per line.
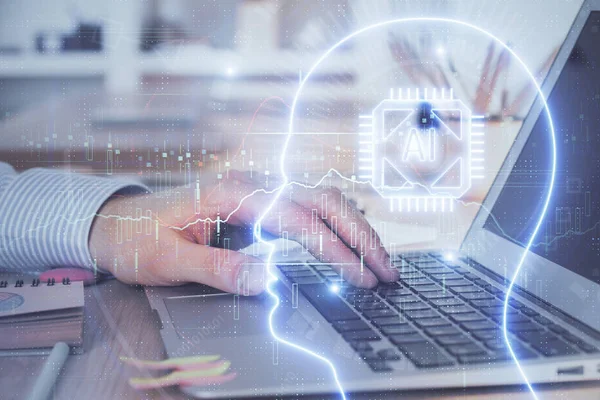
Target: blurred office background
172,91
63,47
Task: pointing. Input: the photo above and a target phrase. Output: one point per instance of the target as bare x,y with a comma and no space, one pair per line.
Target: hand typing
173,237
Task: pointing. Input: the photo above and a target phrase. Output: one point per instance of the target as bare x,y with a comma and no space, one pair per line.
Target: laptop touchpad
227,315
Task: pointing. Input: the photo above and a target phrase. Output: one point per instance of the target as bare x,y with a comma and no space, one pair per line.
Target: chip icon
419,148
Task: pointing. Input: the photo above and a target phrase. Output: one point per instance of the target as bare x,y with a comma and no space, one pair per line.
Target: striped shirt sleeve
46,216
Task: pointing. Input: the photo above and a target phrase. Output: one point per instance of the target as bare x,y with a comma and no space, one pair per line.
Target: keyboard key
412,282
588,348
454,277
495,311
351,325
370,314
486,335
477,296
557,329
404,268
484,358
397,329
496,343
420,314
403,299
399,292
554,348
441,272
410,275
370,305
459,282
456,309
327,303
470,276
458,318
356,290
426,288
430,322
425,355
569,337
478,326
495,291
433,266
533,337
465,349
361,346
441,294
529,312
329,272
499,345
361,336
512,318
459,270
388,321
389,355
447,302
446,276
299,274
379,365
384,287
407,338
540,319
521,352
412,306
454,339
369,356
437,254
442,330
358,298
524,327
465,289
322,267
481,283
487,303
438,270
293,268
420,259
306,280
516,304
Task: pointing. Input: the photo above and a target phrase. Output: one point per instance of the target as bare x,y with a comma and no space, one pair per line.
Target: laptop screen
570,234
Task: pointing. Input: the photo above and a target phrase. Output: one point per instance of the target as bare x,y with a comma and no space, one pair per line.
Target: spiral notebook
36,314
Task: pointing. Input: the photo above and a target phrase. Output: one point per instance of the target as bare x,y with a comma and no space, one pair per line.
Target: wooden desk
118,323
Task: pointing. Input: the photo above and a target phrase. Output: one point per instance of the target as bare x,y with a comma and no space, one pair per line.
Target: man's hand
171,238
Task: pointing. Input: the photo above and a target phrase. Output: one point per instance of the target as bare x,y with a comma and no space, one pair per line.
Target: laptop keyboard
436,315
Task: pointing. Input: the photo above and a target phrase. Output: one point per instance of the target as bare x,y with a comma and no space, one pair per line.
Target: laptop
440,325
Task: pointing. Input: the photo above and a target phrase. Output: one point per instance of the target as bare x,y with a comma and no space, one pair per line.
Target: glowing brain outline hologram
272,277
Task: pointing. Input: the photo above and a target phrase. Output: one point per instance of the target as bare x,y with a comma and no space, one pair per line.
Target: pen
49,374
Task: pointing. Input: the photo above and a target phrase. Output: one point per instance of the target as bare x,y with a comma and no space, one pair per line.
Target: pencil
47,378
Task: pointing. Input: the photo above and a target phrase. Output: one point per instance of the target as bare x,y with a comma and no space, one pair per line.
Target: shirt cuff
46,217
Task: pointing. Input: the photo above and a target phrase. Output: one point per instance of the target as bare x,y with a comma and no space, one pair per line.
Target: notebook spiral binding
35,282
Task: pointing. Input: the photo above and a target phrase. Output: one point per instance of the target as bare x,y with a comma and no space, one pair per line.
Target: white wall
533,27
